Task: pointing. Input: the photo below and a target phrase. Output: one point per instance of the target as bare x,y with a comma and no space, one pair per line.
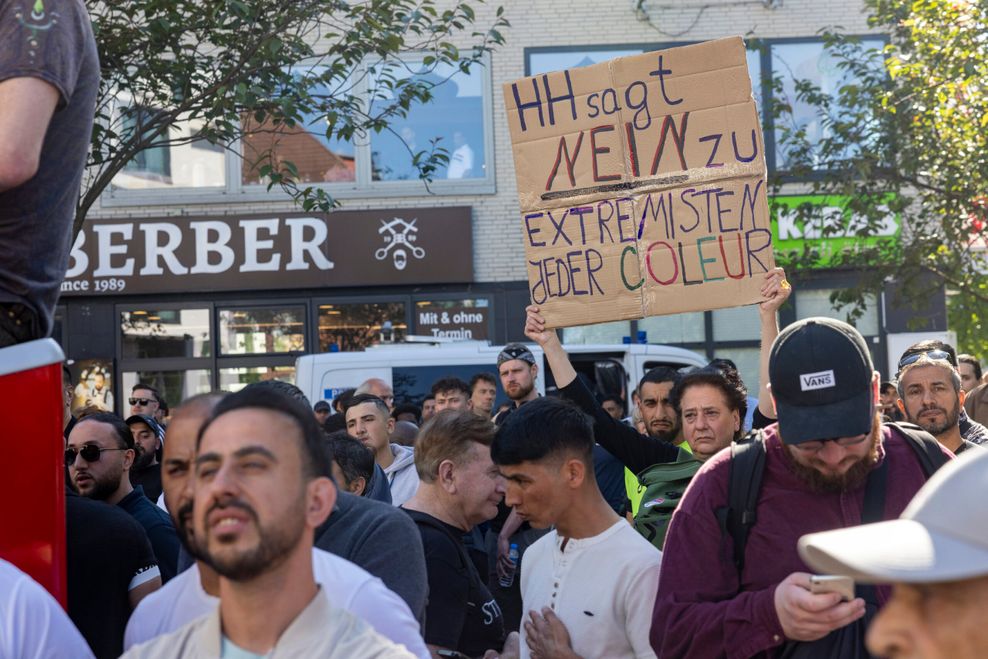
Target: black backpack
748,466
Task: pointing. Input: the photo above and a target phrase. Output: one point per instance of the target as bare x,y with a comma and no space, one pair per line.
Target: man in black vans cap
826,452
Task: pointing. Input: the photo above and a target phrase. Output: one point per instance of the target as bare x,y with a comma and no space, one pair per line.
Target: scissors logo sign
399,238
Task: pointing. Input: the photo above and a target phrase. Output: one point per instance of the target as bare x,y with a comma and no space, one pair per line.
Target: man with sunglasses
827,448
145,399
99,455
970,431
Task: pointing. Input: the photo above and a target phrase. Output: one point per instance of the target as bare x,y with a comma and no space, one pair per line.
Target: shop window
816,302
677,328
600,333
177,160
737,324
174,386
259,331
346,327
153,334
235,379
453,120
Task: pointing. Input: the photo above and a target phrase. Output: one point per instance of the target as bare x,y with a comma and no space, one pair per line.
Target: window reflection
317,158
546,61
348,327
600,333
174,386
817,303
737,324
175,160
235,379
810,62
151,333
254,331
452,120
677,328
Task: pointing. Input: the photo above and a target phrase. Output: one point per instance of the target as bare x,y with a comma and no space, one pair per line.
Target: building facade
191,275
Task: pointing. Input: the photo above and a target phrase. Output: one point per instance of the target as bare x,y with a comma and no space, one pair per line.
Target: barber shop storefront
191,304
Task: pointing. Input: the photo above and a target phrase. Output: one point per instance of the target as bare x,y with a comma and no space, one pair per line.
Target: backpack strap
743,486
923,444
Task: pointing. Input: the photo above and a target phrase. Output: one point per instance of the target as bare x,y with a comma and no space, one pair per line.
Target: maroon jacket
699,611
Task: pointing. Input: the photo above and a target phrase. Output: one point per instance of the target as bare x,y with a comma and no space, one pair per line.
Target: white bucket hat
941,536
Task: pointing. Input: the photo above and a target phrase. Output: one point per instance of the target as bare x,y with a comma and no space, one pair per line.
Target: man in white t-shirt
32,624
194,592
260,488
589,585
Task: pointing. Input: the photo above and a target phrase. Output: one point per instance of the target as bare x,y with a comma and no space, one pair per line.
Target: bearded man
828,463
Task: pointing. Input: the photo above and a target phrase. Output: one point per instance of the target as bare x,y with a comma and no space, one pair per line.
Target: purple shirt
698,611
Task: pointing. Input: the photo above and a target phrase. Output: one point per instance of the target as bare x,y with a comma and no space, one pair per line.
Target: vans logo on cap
821,380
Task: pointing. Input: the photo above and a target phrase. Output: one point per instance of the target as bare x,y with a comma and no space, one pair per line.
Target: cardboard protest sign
642,185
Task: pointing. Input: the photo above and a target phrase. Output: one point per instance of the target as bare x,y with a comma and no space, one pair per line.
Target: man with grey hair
936,555
381,389
935,349
930,395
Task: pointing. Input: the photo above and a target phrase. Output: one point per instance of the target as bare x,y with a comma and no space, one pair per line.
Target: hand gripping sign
642,185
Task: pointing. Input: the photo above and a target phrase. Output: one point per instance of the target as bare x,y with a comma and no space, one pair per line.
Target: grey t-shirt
51,40
381,539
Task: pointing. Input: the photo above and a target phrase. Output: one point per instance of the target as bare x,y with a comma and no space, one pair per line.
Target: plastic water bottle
509,578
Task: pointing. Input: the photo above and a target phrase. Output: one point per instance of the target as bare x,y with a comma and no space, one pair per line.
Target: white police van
413,366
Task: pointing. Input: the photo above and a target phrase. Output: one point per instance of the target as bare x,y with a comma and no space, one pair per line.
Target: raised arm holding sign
641,183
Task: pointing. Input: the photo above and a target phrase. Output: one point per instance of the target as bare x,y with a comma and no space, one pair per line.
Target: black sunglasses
932,354
89,453
141,401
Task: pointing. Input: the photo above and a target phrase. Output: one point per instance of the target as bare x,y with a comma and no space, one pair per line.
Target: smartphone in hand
828,583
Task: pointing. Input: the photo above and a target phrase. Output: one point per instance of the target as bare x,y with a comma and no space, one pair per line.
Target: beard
102,488
853,478
669,436
272,548
183,526
522,392
951,419
143,460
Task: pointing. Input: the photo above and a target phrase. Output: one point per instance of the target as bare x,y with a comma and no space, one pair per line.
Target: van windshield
413,383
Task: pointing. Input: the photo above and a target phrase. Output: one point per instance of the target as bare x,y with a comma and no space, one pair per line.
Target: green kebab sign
790,234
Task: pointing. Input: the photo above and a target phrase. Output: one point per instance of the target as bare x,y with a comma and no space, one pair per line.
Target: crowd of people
256,524
826,516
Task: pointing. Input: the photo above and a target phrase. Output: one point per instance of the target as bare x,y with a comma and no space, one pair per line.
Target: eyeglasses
143,402
816,445
89,453
932,354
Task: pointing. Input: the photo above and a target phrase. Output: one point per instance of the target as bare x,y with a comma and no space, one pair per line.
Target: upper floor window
457,119
807,61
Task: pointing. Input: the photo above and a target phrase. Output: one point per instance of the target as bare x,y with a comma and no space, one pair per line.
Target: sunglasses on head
89,453
143,402
932,354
